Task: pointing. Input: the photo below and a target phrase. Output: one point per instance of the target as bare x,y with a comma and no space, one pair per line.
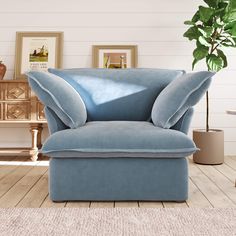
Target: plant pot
3,69
211,145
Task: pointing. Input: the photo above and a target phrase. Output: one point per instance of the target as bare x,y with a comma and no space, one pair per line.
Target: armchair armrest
184,122
55,124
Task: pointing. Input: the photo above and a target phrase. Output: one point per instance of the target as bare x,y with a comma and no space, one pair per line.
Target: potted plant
213,27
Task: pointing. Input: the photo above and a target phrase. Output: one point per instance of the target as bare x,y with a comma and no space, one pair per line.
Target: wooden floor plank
4,170
12,178
226,171
175,204
48,203
35,197
230,161
102,205
196,197
144,204
12,197
127,204
77,204
7,166
214,195
220,180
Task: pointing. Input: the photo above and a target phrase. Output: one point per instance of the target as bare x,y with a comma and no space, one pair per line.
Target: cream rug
117,221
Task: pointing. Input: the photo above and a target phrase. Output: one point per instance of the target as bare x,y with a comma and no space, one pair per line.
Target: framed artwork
37,51
115,56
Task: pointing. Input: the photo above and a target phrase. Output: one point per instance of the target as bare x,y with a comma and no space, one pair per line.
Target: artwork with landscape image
115,60
38,51
114,56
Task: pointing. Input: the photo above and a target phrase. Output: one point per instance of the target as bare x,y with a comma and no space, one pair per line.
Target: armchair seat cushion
103,139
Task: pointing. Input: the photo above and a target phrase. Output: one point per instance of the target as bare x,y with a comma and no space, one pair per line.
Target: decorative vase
3,70
211,145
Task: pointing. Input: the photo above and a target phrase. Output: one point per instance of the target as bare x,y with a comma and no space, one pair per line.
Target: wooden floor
25,184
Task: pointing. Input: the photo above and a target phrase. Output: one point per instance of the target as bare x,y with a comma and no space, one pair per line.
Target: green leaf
203,41
230,12
205,13
211,3
200,52
233,31
227,44
198,44
232,5
218,23
196,17
188,22
206,31
222,55
231,16
230,25
195,61
214,63
192,33
219,12
230,39
223,4
227,40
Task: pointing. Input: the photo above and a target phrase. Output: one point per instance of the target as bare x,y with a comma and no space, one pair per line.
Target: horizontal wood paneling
100,6
216,105
156,26
144,48
85,34
220,120
100,19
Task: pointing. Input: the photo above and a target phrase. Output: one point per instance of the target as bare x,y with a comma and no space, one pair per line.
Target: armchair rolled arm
55,124
184,122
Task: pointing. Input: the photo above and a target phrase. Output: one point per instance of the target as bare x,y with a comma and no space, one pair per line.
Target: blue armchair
118,134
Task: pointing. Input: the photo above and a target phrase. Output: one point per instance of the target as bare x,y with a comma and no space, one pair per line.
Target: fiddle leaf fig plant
213,27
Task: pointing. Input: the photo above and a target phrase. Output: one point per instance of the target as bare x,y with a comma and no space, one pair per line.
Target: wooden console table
18,105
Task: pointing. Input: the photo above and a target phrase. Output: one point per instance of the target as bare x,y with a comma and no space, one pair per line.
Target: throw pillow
178,96
60,96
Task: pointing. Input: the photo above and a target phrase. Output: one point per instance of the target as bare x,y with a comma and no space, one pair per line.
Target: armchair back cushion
118,94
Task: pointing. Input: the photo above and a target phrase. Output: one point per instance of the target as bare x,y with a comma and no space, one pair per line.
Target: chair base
118,179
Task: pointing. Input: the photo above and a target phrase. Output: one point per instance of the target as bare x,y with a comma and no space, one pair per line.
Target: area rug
117,222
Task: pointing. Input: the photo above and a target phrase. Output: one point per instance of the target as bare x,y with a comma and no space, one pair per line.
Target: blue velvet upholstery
118,154
178,96
118,94
118,179
119,138
57,94
54,122
184,122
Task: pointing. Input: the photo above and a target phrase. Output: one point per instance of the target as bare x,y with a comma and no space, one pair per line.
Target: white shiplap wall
156,26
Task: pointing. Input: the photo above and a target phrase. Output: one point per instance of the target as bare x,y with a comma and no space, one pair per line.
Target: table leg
36,130
39,136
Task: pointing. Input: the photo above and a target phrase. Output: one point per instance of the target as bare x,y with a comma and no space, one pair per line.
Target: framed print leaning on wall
37,51
115,56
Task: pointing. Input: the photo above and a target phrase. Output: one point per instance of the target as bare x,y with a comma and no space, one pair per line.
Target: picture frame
115,56
37,51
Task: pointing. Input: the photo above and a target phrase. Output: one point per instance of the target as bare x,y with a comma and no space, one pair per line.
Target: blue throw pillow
178,96
60,96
